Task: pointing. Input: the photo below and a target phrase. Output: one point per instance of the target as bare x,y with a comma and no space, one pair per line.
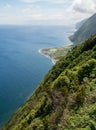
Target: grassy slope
66,98
85,31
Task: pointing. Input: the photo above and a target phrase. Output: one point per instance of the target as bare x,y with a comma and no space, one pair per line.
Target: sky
45,12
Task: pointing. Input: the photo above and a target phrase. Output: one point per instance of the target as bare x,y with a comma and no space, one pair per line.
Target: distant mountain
79,24
66,97
85,31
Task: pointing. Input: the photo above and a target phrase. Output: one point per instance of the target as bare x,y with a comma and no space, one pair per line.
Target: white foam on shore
47,56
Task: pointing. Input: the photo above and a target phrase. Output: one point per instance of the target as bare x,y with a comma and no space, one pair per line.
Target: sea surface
21,66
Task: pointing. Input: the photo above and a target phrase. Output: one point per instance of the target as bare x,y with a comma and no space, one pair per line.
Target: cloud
8,6
45,17
49,1
61,12
76,11
80,9
82,6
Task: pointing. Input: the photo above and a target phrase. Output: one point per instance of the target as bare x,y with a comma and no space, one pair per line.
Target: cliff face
85,31
66,98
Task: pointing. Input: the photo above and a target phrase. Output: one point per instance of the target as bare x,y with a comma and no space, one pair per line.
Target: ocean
22,67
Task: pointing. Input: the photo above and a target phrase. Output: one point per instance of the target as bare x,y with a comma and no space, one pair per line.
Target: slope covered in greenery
66,98
85,31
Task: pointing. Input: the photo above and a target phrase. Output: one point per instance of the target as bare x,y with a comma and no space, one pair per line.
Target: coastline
54,54
45,52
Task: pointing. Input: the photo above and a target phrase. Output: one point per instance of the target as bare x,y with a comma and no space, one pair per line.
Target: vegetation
57,52
66,98
85,31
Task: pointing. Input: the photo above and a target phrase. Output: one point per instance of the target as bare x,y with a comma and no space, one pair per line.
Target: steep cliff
66,97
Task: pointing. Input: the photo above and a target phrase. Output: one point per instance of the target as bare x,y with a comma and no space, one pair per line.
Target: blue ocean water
21,66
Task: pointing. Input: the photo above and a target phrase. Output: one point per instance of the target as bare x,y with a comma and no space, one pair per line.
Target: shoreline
54,54
44,52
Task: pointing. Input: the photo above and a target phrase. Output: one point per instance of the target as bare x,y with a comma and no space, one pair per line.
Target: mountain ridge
85,31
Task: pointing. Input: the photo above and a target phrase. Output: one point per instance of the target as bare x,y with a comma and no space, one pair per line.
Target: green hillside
85,31
66,97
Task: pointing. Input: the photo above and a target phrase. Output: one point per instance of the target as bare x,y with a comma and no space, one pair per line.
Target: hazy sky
45,12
